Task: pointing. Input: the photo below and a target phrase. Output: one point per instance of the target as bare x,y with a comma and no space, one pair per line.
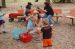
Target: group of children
36,22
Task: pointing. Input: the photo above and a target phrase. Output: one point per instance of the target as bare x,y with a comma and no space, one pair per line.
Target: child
47,34
1,21
30,25
37,18
28,8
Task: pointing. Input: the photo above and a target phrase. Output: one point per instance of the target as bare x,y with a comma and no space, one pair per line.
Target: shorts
47,42
2,22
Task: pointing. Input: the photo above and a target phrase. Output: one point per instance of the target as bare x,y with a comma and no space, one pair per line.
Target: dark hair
0,6
47,3
29,3
38,16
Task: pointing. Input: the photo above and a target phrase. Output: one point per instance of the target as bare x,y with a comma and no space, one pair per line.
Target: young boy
1,21
47,34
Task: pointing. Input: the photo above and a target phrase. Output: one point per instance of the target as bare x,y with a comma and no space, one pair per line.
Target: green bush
72,0
56,1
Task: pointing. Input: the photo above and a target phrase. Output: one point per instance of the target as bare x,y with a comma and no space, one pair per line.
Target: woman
28,7
48,12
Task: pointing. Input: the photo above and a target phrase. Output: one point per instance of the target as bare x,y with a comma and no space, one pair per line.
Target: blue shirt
30,25
1,15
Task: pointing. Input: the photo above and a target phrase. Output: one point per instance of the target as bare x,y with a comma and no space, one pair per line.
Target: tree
65,1
62,1
3,3
68,1
36,0
47,0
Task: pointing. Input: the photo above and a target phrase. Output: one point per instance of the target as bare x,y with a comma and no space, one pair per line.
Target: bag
25,37
16,32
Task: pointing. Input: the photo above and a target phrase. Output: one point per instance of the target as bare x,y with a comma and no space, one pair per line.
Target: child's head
35,12
29,3
45,22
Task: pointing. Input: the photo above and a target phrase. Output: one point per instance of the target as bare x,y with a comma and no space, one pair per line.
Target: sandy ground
63,36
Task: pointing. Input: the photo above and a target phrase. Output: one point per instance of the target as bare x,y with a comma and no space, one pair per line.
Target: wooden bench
72,18
57,14
72,15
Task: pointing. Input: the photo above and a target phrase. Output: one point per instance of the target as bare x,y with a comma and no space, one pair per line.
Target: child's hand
44,10
53,30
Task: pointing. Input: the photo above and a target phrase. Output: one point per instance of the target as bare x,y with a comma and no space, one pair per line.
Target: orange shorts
47,42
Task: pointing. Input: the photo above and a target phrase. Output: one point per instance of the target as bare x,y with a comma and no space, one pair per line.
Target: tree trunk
3,4
47,0
68,1
36,0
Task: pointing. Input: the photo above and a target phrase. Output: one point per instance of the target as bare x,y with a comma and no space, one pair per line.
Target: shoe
4,32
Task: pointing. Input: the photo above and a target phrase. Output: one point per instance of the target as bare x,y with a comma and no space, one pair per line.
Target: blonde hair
45,22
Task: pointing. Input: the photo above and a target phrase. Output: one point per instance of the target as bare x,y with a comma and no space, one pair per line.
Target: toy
16,32
13,16
25,37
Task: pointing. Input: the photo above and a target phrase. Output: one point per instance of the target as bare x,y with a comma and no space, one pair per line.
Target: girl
28,8
2,21
30,25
